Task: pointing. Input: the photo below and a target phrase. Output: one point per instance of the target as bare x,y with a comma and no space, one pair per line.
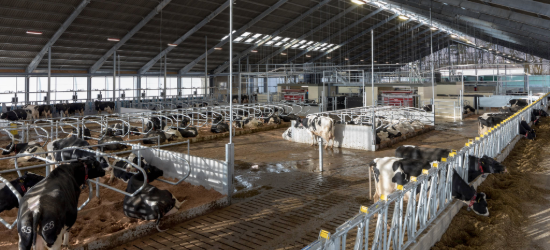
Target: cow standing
8,200
108,107
319,126
49,209
14,115
467,194
527,131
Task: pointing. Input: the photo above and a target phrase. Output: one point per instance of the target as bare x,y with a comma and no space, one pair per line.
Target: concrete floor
286,201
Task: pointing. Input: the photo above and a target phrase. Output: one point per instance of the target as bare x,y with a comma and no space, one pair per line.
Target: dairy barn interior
274,124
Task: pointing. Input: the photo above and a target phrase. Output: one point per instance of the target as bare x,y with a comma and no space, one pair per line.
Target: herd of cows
34,112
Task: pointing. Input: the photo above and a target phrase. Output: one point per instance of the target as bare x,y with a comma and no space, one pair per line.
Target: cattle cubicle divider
435,195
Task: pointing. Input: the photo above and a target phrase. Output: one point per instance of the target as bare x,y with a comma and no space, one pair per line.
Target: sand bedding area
510,197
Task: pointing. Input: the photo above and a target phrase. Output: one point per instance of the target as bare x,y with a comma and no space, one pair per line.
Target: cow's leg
39,245
59,240
66,239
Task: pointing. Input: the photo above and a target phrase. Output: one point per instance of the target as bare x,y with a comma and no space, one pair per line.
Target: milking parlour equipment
410,219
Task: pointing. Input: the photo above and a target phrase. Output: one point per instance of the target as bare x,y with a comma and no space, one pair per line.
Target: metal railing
409,219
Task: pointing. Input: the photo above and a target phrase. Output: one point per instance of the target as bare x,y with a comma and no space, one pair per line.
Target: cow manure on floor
507,195
250,193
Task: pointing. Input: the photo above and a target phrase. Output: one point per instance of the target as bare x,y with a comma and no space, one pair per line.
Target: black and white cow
150,203
540,112
87,133
421,153
110,137
288,117
428,108
527,131
156,123
519,102
318,126
24,148
189,132
153,134
108,107
71,108
49,209
469,108
39,110
467,194
489,120
71,154
15,115
485,164
130,171
122,129
8,200
392,171
247,122
219,126
287,135
272,120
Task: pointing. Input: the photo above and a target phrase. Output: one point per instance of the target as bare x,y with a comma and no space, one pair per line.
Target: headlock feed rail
409,220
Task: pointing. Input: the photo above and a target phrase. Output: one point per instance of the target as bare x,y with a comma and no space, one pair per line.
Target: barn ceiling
84,34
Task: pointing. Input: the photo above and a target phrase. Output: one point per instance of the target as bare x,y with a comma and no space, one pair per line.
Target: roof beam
538,8
237,33
244,53
309,33
97,65
337,34
389,40
34,63
395,55
354,37
433,34
197,27
375,38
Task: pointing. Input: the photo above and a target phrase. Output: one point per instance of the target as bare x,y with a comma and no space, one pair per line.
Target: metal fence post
321,154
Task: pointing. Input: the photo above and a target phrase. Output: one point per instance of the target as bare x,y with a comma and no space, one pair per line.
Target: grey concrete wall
347,136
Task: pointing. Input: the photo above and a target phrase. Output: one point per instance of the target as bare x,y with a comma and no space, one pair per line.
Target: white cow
319,126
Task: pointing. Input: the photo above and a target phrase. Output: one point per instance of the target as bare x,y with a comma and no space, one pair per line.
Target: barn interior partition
409,220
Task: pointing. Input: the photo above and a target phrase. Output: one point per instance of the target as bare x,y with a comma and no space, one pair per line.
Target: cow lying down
24,148
109,137
392,171
150,203
49,209
8,200
130,171
71,154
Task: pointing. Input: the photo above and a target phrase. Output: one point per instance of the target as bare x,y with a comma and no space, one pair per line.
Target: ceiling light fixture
34,32
217,48
358,2
283,54
328,57
113,39
433,28
308,55
172,45
347,59
254,51
402,17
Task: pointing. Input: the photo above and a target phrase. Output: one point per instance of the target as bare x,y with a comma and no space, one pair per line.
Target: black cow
485,164
110,137
189,132
540,112
469,108
153,134
519,102
182,120
87,133
464,192
130,171
71,108
49,209
421,153
410,167
8,200
219,126
156,123
150,203
71,154
108,107
288,117
527,131
427,108
15,115
122,129
19,147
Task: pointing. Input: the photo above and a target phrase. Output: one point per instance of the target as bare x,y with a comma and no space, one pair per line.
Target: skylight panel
286,39
257,35
250,40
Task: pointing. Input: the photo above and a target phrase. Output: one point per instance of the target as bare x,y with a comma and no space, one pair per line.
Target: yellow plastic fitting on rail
444,159
413,178
435,165
383,197
400,187
425,171
364,209
477,139
324,234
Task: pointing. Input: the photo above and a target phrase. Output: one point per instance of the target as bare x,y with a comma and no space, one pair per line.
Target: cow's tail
34,229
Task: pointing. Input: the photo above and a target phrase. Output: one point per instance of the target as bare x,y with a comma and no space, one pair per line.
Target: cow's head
490,165
152,172
480,205
399,177
95,168
531,135
3,115
8,148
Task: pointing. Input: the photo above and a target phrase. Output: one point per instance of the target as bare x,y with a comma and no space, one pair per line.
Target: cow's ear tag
22,181
364,209
400,187
324,234
413,178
